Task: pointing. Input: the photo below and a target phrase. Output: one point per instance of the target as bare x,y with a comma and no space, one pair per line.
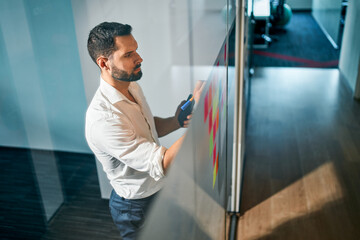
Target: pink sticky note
206,106
210,120
214,129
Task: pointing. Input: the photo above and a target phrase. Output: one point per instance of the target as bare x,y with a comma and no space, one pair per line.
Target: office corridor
302,169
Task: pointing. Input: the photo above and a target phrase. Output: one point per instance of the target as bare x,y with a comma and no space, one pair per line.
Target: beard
121,75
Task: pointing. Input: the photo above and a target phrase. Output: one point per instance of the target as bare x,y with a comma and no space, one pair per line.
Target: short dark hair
101,39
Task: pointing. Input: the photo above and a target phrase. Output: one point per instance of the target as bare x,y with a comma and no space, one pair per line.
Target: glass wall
50,180
42,110
194,202
328,13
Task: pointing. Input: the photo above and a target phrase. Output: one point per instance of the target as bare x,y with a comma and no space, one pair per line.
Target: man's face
125,62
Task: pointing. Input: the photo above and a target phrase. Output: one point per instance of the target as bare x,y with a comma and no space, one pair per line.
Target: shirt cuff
158,171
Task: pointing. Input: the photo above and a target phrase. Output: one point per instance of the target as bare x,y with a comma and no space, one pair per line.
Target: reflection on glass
45,71
48,181
193,203
328,13
41,111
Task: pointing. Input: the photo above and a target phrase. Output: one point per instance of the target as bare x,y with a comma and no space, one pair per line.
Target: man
121,130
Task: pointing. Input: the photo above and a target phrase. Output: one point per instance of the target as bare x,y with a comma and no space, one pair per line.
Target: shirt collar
111,93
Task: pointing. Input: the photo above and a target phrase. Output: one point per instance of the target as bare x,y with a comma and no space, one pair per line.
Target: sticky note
206,106
215,102
211,145
217,163
214,155
210,119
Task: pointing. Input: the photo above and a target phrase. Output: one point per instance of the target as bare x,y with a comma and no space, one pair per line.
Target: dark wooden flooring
83,215
302,169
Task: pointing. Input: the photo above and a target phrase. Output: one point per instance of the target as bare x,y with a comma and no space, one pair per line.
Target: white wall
300,4
350,49
326,4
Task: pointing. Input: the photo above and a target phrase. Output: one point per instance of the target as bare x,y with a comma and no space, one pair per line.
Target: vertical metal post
238,108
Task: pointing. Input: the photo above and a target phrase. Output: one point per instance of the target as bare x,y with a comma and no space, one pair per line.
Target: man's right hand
199,86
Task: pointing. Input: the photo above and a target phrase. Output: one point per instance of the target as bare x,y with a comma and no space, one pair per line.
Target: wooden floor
302,170
83,215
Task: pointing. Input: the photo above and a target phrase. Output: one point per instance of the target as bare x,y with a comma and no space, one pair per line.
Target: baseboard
300,10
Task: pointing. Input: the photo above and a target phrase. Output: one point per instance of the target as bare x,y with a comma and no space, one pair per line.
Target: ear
103,63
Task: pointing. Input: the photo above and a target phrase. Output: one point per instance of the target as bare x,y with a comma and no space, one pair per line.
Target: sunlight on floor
301,198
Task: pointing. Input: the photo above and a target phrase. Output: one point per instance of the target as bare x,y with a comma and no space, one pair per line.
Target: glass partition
328,14
50,180
42,107
194,202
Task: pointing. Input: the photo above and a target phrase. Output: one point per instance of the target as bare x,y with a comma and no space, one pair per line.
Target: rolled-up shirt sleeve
117,137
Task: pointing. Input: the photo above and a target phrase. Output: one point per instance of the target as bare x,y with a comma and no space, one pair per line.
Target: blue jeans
129,214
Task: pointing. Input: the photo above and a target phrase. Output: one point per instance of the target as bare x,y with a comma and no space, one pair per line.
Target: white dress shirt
123,137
